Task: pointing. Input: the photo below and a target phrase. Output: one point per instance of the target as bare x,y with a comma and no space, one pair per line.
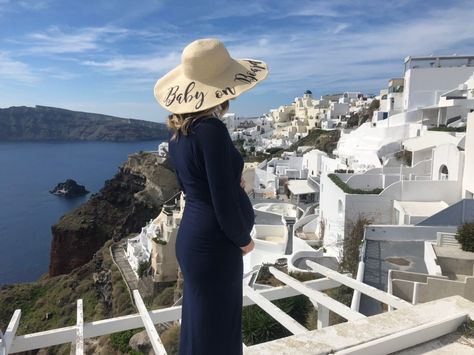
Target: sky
105,56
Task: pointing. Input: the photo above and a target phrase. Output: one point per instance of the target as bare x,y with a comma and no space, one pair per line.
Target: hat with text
206,77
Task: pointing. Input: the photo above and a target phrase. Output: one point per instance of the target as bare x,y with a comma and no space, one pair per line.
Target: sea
28,170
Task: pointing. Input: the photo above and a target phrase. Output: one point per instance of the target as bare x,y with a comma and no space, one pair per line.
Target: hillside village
374,193
400,182
391,203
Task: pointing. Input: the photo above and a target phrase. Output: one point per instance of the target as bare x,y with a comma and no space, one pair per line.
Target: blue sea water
27,210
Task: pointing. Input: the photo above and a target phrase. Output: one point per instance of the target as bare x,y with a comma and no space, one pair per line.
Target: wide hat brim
179,94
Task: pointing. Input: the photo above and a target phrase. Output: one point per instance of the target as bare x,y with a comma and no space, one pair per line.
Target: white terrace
388,332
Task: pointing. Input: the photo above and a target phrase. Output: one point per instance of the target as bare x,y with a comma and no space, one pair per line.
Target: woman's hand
248,248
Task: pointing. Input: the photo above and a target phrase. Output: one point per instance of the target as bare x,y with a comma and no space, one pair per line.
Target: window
443,173
396,88
340,208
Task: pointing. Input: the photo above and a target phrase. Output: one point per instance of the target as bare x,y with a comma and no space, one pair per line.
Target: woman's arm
170,157
180,182
215,145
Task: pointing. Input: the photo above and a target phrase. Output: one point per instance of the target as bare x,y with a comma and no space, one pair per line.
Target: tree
352,242
374,105
143,268
465,236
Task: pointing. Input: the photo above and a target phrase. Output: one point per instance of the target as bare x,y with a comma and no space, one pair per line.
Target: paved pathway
120,258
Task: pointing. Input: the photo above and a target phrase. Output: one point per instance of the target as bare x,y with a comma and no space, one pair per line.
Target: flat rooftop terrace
381,334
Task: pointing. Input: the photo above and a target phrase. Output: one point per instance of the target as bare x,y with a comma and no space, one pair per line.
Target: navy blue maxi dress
217,220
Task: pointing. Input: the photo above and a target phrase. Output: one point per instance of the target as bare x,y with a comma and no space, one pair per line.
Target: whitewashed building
429,98
156,242
400,195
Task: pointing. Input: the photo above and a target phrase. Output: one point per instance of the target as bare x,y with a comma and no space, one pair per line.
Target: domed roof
308,92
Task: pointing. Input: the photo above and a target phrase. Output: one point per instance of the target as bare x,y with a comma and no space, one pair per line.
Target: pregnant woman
214,232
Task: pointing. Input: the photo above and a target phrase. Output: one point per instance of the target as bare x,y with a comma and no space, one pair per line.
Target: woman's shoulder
208,125
211,132
208,120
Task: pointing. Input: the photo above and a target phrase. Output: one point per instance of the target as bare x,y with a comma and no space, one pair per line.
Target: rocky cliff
43,123
123,206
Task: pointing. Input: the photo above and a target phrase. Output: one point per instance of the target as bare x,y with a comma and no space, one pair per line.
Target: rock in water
69,188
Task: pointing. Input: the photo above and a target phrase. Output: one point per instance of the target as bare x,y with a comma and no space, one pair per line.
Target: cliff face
49,123
123,206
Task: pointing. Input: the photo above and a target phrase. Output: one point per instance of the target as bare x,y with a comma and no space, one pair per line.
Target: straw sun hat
206,77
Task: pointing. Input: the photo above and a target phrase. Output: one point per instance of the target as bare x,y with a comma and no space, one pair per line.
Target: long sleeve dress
217,220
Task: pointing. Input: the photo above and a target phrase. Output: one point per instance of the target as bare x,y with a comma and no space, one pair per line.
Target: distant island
43,123
69,188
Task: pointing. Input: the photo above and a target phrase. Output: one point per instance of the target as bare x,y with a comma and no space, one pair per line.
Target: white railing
451,314
76,334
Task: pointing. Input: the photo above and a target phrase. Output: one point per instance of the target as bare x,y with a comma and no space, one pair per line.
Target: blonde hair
180,123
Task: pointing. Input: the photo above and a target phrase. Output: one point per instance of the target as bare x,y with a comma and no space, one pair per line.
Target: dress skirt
212,269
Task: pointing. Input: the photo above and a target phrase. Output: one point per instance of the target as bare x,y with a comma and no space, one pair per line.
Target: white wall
296,163
404,233
414,190
420,155
431,260
423,86
312,161
330,195
449,155
378,208
468,180
367,141
329,164
365,181
397,102
422,168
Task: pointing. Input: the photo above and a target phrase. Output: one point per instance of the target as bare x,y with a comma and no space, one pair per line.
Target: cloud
325,58
34,4
21,5
326,46
340,27
56,41
58,73
16,70
153,63
333,60
235,9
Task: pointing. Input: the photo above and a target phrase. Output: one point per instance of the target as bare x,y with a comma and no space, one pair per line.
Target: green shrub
259,326
304,276
165,298
119,340
443,128
405,156
274,150
352,243
170,339
465,236
143,268
159,241
349,190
